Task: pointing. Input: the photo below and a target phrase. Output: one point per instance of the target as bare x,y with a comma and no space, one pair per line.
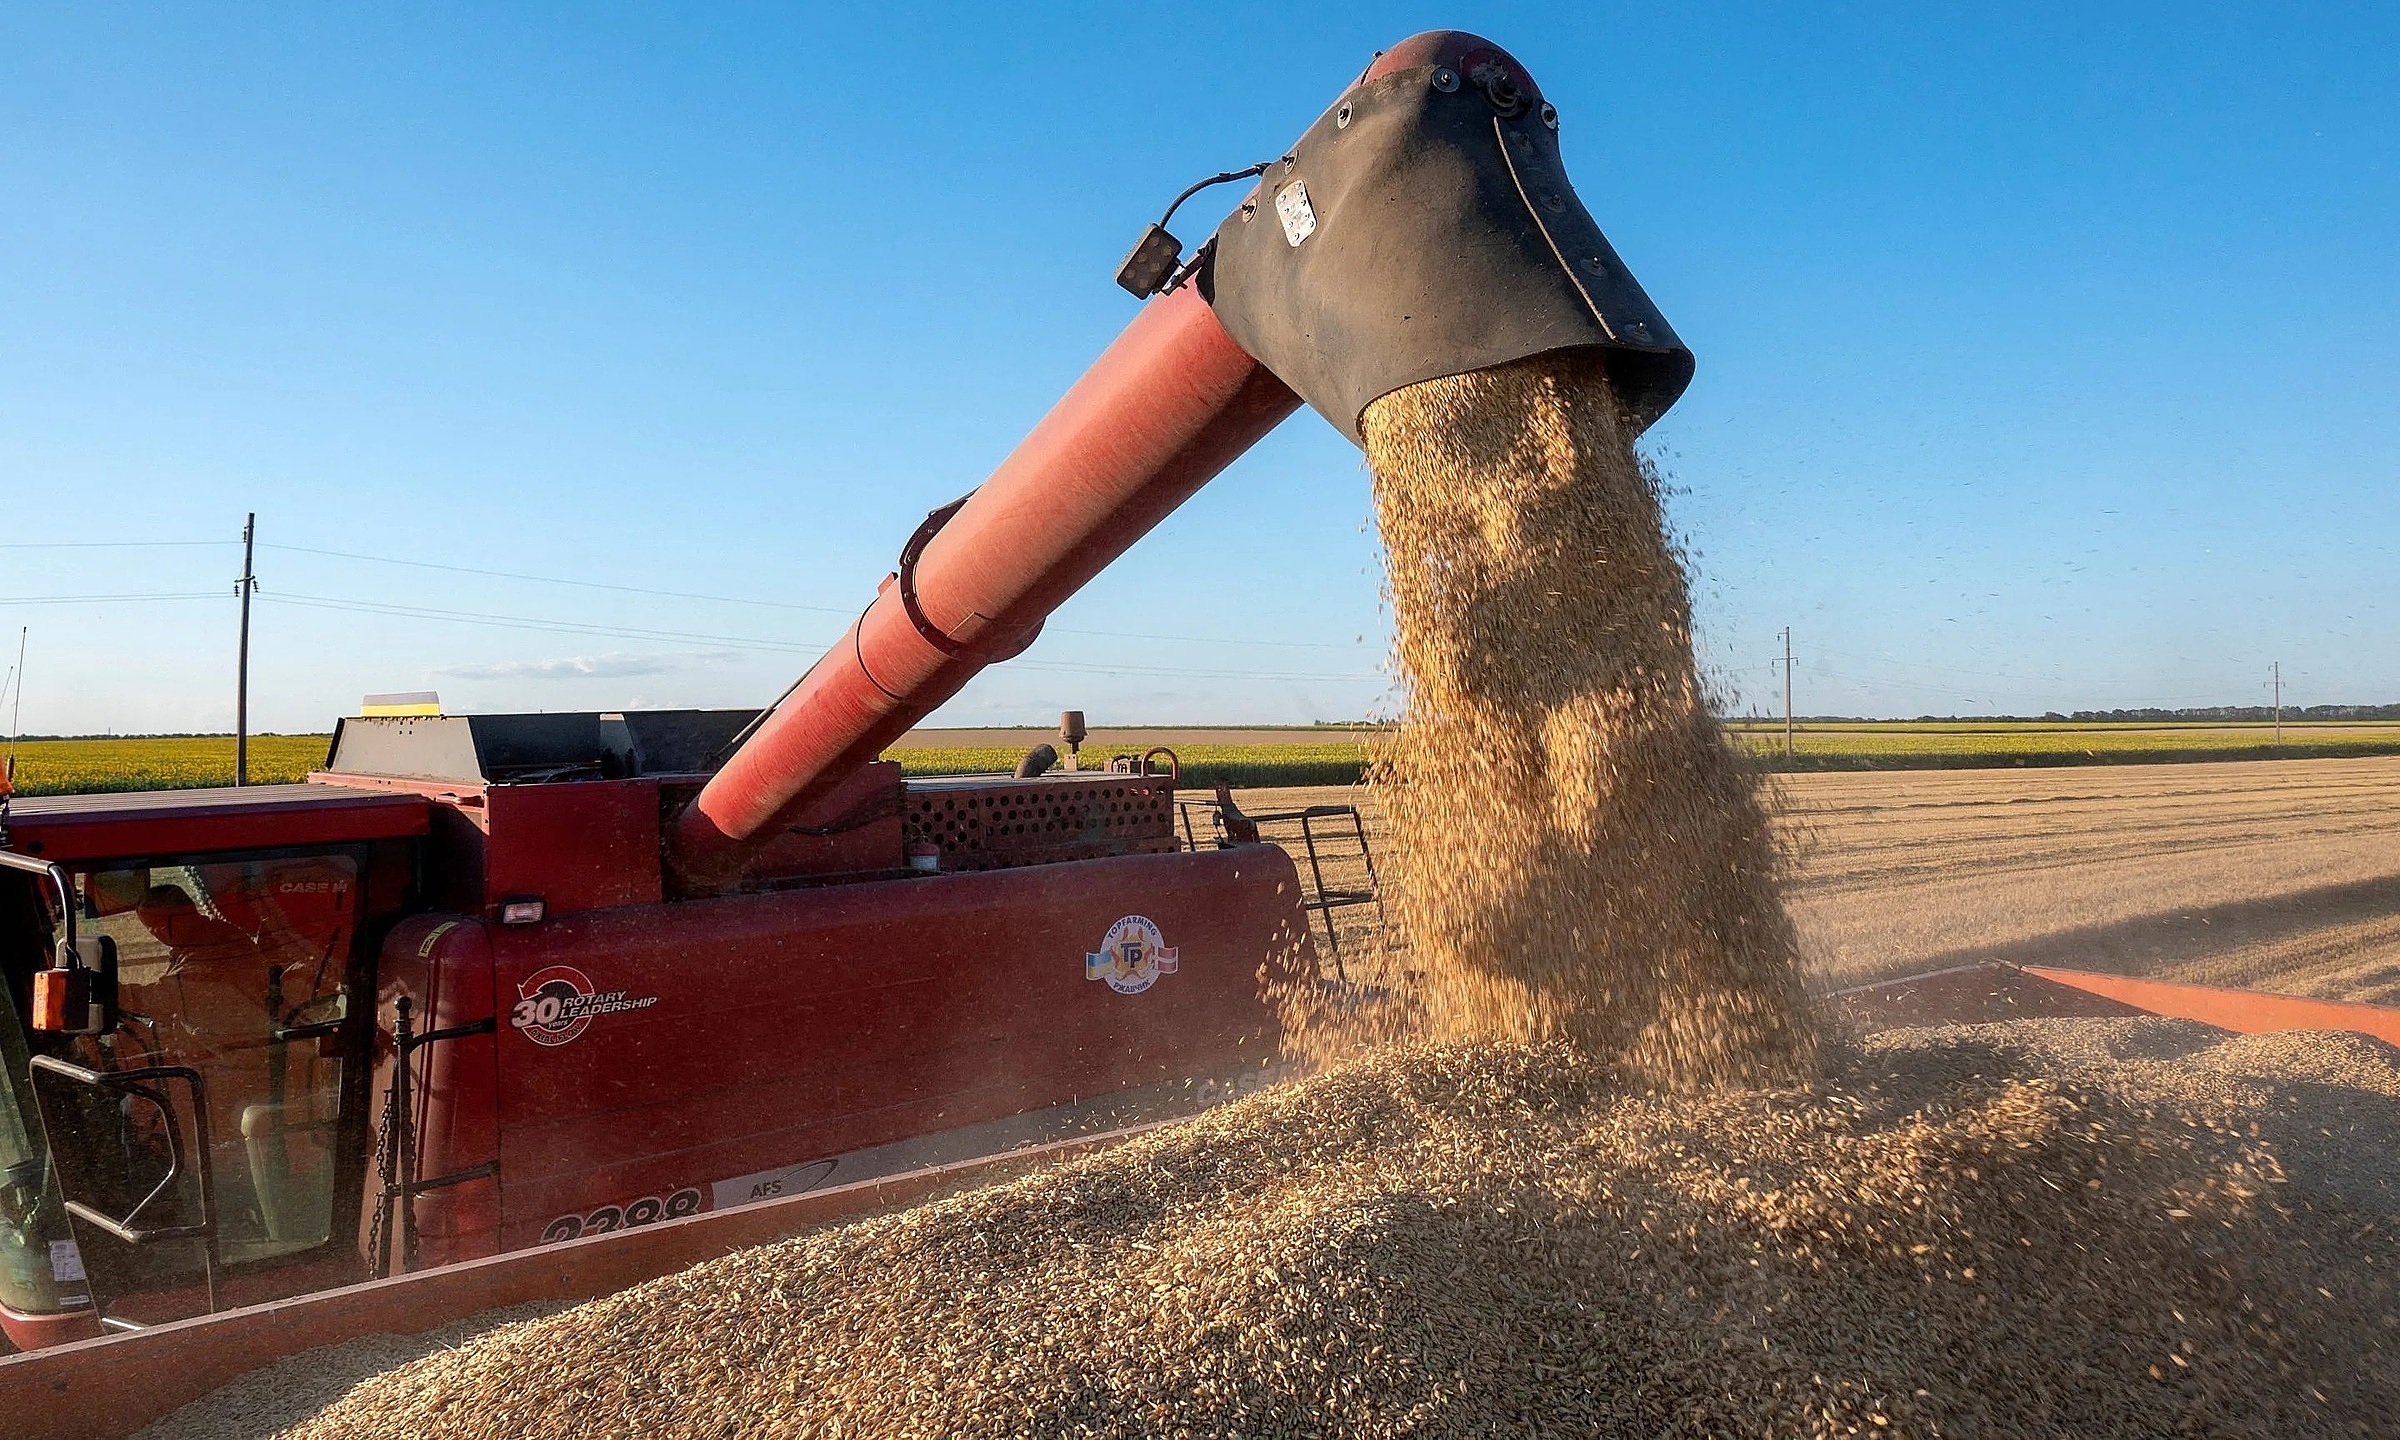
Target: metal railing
1325,833
63,1134
395,1222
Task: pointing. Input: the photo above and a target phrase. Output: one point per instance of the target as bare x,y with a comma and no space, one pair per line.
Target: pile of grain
2110,1228
1577,853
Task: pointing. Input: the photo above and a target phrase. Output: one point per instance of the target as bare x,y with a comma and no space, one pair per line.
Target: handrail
139,1082
396,1213
56,874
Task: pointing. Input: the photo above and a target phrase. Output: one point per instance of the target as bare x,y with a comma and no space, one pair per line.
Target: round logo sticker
1131,956
557,1002
553,1005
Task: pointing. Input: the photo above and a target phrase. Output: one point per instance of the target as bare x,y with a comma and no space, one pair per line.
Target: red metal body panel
69,828
33,1332
764,1031
2246,1012
1164,408
443,963
1461,51
585,846
579,846
862,814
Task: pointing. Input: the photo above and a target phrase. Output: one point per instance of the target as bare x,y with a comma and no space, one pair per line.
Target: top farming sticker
557,1002
1131,956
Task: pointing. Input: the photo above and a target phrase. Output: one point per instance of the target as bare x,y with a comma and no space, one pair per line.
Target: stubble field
2280,875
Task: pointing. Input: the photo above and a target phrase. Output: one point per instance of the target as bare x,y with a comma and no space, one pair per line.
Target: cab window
236,968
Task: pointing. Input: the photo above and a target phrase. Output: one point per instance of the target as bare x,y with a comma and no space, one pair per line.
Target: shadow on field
2339,942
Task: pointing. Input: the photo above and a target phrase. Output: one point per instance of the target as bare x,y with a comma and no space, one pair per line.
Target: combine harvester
534,1007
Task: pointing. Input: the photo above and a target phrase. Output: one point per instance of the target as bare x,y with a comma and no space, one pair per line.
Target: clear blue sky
2045,351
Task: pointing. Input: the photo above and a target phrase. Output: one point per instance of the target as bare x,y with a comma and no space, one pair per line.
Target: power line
1977,674
530,622
747,642
746,600
105,544
109,599
557,580
1988,697
1178,672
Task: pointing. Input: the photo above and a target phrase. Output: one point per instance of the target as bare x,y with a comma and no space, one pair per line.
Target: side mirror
77,995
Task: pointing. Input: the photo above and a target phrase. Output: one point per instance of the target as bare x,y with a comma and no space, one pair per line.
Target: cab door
239,967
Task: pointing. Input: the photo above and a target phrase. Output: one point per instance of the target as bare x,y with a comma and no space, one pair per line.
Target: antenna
8,774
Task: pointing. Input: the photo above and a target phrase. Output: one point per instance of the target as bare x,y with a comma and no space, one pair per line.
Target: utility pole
241,685
1787,692
2279,704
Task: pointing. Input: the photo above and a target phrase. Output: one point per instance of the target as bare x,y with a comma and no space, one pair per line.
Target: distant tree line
2150,714
2242,712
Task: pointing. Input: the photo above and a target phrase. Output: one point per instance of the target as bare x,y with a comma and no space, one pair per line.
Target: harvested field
2279,876
2103,1228
1107,740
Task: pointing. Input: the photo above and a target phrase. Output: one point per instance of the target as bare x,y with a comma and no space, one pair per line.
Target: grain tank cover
536,749
1424,227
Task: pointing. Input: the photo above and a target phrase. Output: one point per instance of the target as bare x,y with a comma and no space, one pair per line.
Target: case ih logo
557,1002
1131,956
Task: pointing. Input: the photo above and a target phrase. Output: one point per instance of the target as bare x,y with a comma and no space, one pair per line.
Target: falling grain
1578,854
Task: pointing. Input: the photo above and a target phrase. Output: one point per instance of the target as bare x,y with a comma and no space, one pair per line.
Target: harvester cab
491,981
176,1072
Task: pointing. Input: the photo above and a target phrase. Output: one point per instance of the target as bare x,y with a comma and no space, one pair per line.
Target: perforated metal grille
991,823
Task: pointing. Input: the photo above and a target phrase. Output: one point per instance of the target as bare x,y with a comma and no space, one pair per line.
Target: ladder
1317,833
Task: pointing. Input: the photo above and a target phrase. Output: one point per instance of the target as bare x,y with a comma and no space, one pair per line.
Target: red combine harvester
488,982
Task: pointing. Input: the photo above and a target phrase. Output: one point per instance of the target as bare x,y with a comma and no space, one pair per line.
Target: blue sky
2045,353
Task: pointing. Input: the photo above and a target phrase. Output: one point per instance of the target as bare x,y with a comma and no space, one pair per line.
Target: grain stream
1577,853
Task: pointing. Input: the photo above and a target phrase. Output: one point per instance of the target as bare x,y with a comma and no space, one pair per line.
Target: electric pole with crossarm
241,680
1787,692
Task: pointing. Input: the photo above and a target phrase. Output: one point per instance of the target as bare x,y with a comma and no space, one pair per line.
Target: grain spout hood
1424,226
